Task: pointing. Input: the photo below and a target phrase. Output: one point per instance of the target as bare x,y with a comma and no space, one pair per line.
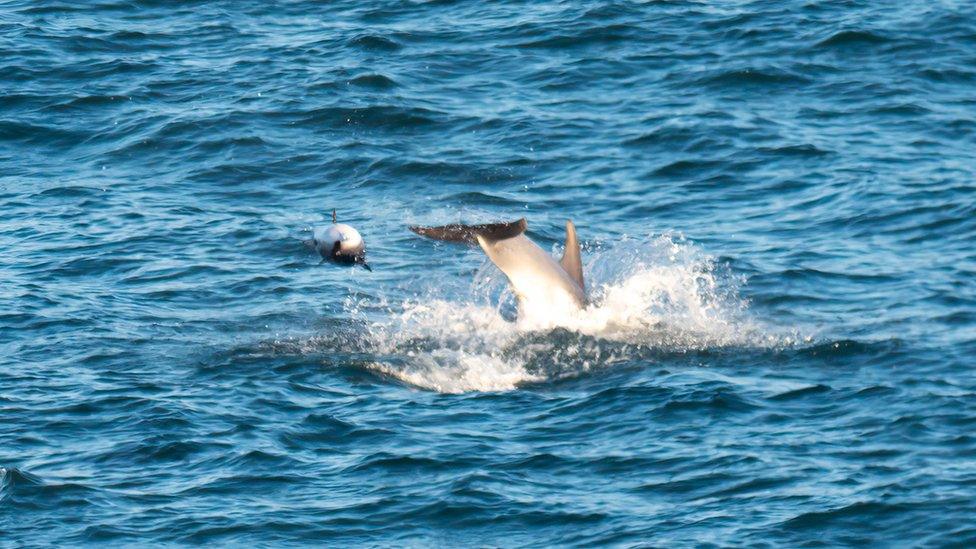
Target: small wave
948,75
89,101
374,81
477,198
68,191
901,109
109,68
398,464
238,144
604,35
804,150
442,170
852,38
688,168
39,133
374,116
847,348
704,402
801,392
44,9
372,42
755,77
29,493
863,512
12,478
816,274
669,136
325,428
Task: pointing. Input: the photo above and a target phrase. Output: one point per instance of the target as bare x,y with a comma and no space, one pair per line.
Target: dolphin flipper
468,234
571,261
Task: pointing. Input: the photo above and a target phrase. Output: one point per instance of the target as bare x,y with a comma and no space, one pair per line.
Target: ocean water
777,204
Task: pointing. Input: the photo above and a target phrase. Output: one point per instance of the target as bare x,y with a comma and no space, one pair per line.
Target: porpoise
340,243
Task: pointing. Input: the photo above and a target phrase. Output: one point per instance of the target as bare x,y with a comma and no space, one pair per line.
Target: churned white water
660,293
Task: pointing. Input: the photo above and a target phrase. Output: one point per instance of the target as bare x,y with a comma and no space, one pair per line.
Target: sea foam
658,293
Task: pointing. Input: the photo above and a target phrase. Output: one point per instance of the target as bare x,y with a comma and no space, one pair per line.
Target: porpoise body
340,243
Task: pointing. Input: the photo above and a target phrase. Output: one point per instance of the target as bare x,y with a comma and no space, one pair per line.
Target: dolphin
540,283
340,243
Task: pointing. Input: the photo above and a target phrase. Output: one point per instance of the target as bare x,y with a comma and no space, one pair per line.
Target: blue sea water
777,202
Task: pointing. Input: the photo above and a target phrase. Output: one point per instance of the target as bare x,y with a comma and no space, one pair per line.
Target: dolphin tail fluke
571,261
468,234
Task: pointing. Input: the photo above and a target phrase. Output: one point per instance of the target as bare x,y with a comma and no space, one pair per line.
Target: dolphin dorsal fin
571,261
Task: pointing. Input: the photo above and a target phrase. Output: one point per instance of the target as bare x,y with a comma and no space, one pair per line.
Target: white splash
660,293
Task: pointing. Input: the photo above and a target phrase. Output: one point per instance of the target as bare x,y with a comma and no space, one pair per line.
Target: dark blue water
778,207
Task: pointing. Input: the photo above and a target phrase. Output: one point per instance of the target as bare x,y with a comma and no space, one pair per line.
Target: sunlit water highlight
778,212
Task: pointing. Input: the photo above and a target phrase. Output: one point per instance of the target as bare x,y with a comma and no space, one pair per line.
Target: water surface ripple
778,212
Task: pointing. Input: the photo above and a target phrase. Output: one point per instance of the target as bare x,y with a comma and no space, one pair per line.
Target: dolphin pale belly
339,243
540,283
